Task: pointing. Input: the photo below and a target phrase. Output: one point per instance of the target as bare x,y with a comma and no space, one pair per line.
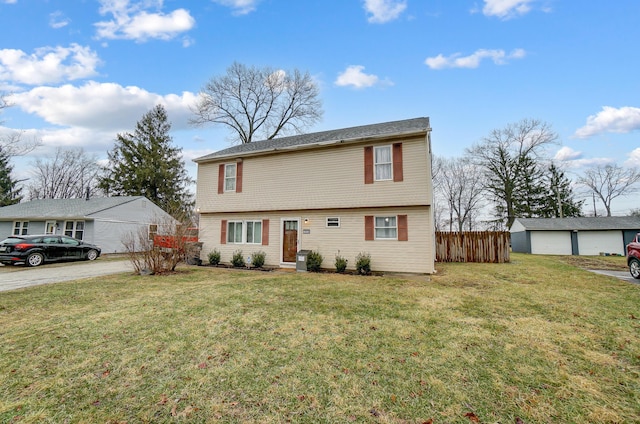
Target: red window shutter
369,231
397,162
368,165
223,231
239,177
265,232
403,229
221,178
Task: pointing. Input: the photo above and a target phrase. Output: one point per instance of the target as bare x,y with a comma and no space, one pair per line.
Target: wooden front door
289,240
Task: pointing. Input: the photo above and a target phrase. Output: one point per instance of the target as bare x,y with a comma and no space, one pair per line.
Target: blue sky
82,71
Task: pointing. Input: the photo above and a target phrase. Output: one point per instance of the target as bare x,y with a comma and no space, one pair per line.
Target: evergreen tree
530,193
146,163
560,195
9,192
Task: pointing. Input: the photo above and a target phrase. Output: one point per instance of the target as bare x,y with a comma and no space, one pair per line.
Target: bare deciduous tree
68,174
609,182
506,156
460,187
259,102
147,256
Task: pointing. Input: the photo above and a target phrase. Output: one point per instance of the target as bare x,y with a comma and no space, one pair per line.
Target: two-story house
347,191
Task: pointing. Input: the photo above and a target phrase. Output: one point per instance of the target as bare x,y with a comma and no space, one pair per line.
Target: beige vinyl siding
325,177
414,255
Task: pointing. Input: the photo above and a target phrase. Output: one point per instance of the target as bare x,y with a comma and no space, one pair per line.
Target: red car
633,257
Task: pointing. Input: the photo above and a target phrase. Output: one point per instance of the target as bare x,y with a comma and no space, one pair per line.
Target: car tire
634,268
35,259
92,255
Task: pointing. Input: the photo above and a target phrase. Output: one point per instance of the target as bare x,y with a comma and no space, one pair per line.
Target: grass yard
533,341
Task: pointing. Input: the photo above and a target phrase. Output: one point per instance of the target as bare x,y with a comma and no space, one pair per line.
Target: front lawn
534,341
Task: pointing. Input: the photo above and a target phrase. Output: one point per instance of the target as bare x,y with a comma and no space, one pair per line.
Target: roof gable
407,126
63,208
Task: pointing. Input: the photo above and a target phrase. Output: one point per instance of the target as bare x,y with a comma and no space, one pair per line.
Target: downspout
433,228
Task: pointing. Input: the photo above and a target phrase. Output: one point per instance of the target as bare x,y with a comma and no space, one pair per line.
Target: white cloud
634,159
506,9
134,22
575,159
10,1
610,119
48,64
240,7
90,116
567,153
499,57
382,11
355,77
101,106
58,20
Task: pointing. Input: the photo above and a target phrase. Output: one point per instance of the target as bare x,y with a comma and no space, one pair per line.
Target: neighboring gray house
574,236
101,221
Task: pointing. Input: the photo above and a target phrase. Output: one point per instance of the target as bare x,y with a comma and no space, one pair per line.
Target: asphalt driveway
15,277
622,275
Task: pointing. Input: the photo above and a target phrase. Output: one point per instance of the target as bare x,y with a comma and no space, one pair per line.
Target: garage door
551,242
594,242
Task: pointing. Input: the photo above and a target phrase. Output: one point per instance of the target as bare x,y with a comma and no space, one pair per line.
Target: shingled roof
407,126
581,224
62,208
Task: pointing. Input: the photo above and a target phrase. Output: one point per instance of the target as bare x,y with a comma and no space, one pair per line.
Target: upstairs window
382,163
230,177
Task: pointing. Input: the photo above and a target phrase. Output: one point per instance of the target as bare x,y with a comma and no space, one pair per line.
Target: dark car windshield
12,240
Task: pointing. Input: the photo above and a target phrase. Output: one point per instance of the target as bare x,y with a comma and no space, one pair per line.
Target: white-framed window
20,228
230,177
153,231
74,229
244,232
333,222
386,227
234,232
382,163
254,232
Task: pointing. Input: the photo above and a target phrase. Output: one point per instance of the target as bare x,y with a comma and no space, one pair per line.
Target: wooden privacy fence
472,246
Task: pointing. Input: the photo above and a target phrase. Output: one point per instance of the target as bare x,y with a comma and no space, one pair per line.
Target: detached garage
574,236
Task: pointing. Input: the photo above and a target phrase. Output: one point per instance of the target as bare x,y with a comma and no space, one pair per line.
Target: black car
37,249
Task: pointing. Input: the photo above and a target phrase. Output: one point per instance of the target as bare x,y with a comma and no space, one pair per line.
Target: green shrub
363,263
341,263
257,258
214,257
237,260
314,261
